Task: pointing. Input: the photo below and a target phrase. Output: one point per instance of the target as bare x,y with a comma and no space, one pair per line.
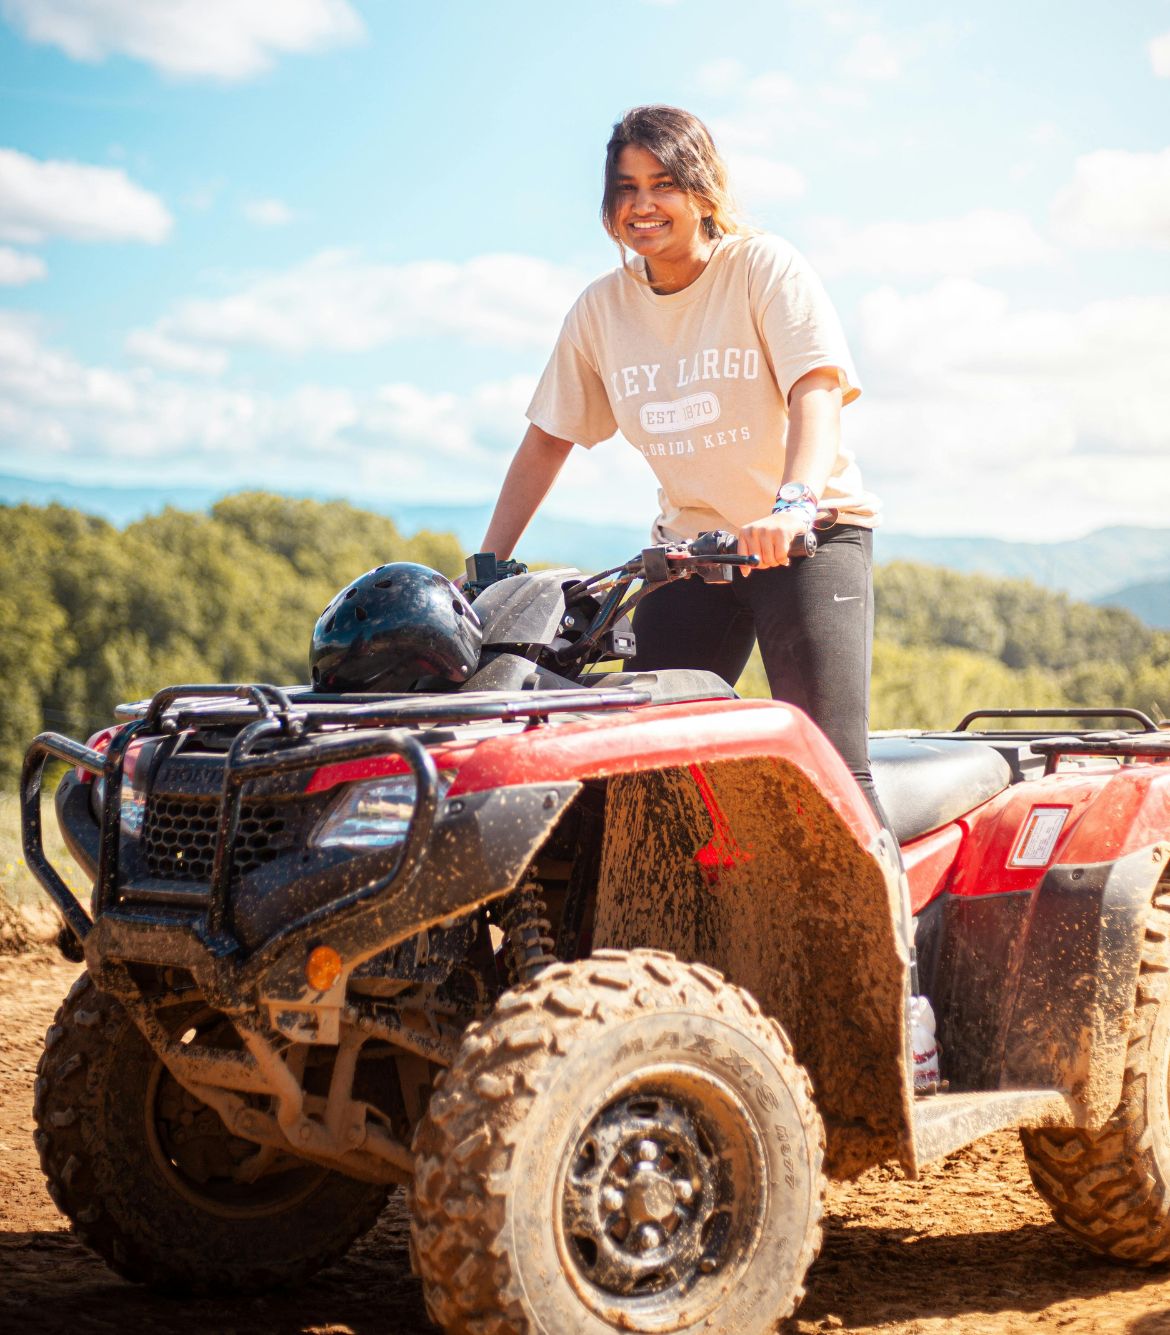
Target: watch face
792,491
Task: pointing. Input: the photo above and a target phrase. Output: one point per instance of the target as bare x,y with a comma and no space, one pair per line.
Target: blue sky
325,245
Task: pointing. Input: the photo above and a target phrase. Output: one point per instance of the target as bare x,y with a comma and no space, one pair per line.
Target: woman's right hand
771,538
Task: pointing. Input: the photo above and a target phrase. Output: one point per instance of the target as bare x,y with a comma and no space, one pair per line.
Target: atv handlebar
713,556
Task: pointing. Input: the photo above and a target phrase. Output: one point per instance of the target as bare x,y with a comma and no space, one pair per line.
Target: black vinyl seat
924,782
669,686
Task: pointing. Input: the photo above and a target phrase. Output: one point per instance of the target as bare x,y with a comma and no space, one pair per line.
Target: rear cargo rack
1068,711
1137,746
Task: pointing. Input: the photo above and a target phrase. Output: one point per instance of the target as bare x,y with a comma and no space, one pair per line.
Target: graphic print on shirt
698,382
696,411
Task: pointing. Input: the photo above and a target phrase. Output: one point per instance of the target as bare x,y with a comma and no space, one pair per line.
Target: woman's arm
528,481
814,437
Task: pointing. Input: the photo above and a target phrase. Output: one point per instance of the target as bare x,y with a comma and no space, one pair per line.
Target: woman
718,355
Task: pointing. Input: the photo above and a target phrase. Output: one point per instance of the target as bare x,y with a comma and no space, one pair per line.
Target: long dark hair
683,144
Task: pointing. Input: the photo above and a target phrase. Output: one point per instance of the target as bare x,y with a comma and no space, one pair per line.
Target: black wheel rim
663,1192
205,1164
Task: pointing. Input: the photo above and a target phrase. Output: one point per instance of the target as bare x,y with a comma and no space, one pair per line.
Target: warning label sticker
1038,837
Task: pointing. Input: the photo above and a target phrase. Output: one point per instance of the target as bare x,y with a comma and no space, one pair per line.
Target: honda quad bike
610,970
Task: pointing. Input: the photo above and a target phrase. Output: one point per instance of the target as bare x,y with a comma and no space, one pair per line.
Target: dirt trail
969,1250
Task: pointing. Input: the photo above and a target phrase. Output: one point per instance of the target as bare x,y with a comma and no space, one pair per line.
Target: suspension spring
527,932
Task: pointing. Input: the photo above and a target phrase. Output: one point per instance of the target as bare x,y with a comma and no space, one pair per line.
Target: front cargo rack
300,729
177,707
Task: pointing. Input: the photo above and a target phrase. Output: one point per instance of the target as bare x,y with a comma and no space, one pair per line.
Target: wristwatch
796,496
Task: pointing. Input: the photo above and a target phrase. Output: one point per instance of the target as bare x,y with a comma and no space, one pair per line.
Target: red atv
609,969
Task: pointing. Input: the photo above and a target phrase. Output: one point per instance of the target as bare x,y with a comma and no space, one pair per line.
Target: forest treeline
91,615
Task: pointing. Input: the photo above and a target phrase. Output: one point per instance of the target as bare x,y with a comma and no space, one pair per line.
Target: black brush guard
309,730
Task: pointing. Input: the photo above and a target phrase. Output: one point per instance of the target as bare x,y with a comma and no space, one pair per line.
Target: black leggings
814,622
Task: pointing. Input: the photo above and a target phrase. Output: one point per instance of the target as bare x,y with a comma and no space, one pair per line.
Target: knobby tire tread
465,1144
1106,1187
72,1123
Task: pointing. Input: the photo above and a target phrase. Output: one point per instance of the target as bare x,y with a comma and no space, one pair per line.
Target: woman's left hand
771,537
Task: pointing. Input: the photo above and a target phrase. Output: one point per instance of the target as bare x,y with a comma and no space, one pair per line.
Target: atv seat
924,783
668,686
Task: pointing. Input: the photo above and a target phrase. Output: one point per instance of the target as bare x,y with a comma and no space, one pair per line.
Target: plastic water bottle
924,1046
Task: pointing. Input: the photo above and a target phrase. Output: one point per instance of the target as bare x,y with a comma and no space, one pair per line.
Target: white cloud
171,354
202,197
1159,49
1045,134
39,199
760,110
339,302
396,442
268,212
983,417
872,56
17,267
730,78
983,239
1116,198
93,420
221,39
762,179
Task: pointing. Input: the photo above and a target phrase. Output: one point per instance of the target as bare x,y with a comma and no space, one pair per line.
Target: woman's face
653,216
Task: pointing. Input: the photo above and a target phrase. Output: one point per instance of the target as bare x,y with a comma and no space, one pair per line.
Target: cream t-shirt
698,381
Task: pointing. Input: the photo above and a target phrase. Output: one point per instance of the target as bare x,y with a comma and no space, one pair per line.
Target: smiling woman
718,355
666,193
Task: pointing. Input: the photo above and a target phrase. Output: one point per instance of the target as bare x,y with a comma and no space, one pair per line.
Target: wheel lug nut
684,1191
648,1152
647,1238
612,1200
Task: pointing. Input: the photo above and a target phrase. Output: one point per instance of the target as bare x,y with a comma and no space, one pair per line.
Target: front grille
178,836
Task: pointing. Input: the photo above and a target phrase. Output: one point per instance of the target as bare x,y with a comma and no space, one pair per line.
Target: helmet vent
457,607
360,612
330,623
351,592
383,583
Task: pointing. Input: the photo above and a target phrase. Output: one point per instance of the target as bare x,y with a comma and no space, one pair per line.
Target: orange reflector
322,967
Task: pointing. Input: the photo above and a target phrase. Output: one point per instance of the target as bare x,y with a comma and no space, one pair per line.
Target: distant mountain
120,505
1129,567
1149,600
1088,568
549,539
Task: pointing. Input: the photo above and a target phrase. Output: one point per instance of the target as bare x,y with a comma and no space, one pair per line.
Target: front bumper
245,939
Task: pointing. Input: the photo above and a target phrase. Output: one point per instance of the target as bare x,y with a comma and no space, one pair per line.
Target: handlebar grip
804,544
718,542
715,542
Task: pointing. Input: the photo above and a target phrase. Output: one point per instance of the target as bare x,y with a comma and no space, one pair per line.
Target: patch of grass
17,884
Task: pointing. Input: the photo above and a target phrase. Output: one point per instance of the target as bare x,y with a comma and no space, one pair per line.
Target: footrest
946,1122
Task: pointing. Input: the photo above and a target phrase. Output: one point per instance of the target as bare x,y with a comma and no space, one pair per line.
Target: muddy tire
1111,1188
142,1169
625,1144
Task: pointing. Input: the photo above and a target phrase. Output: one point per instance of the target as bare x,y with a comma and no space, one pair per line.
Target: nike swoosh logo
853,597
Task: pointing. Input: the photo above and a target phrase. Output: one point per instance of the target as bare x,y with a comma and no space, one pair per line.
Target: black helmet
393,627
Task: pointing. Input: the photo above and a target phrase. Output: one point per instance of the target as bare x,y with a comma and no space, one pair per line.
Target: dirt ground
968,1250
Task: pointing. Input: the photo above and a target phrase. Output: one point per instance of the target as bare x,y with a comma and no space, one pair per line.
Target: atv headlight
374,814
